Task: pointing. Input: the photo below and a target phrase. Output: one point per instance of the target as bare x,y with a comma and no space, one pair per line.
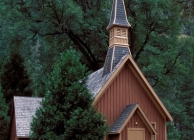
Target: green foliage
173,133
187,15
183,90
4,118
60,24
153,21
56,25
66,111
161,41
38,67
14,79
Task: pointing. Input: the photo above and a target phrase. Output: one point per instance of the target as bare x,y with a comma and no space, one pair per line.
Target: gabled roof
128,111
96,80
98,84
118,14
126,115
24,108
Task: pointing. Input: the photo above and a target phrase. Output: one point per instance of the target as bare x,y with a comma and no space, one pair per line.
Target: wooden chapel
122,93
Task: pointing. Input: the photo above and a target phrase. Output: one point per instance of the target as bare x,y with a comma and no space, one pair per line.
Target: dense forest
34,34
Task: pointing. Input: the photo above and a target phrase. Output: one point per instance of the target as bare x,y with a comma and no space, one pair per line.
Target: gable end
128,60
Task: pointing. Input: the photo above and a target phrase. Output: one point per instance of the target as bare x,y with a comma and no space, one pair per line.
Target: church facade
122,93
132,108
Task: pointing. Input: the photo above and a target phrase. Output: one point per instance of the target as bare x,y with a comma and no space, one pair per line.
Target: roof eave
115,24
113,133
167,114
144,119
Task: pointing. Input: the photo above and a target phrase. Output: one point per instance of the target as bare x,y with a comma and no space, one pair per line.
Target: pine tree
66,112
14,79
4,118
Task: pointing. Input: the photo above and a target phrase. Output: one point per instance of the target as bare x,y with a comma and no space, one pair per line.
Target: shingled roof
113,57
122,118
96,80
24,109
118,14
125,117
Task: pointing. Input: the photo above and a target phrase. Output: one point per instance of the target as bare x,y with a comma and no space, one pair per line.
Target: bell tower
118,36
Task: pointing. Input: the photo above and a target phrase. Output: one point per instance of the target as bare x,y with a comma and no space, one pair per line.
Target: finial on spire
118,15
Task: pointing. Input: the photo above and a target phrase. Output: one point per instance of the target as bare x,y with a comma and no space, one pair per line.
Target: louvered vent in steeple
118,38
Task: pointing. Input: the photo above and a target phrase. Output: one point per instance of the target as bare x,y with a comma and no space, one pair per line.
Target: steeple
118,15
118,36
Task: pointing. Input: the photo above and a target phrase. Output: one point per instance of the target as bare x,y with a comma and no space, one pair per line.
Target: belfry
121,93
118,36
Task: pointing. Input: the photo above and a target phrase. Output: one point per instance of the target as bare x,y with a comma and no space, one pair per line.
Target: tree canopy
4,118
14,79
161,42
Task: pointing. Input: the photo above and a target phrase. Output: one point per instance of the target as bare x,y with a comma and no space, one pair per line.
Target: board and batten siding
124,90
13,127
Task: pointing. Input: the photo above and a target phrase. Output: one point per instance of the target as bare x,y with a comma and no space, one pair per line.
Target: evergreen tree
66,112
14,79
4,118
157,26
182,92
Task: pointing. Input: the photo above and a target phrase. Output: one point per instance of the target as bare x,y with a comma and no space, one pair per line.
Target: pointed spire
118,15
118,39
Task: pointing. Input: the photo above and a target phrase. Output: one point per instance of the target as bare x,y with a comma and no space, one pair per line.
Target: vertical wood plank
126,90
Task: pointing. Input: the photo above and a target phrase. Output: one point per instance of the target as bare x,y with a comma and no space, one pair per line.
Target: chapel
132,108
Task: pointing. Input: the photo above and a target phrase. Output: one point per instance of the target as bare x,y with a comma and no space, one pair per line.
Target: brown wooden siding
124,90
13,128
